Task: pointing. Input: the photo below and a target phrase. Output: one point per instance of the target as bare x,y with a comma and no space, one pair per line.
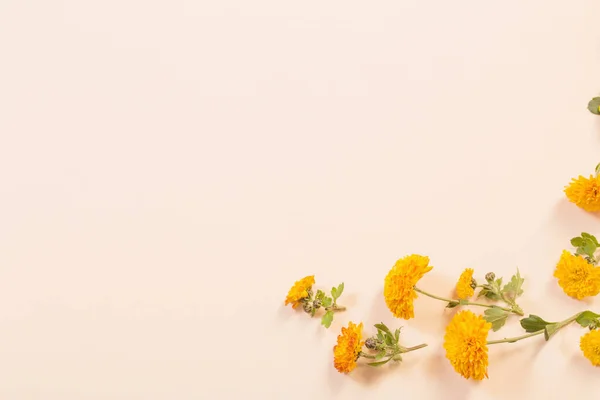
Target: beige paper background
169,168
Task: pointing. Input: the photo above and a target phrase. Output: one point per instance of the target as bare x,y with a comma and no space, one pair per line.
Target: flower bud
308,307
310,292
317,304
490,276
371,344
473,283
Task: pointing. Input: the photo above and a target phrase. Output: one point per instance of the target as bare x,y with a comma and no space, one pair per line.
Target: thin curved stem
466,302
515,339
559,326
409,349
335,307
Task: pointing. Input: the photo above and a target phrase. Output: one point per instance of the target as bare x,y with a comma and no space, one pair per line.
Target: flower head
577,277
465,344
590,346
299,291
398,289
464,290
585,192
348,347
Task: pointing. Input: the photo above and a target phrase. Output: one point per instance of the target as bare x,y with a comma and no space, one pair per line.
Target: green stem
515,339
559,326
408,349
335,307
465,302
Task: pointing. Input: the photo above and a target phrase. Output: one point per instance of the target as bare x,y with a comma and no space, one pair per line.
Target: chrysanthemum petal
299,291
590,346
585,192
466,344
577,277
398,289
464,290
348,347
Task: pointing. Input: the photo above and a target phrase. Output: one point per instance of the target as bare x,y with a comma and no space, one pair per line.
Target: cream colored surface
168,169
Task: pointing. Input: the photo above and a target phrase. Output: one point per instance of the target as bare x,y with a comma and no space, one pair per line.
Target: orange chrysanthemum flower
348,347
464,290
299,291
398,289
585,192
466,344
590,346
577,277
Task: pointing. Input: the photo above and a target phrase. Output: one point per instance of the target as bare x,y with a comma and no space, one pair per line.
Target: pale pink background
169,168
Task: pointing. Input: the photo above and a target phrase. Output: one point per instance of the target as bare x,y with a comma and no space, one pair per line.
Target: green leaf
512,289
327,319
533,323
452,304
550,330
587,318
326,302
380,336
380,355
320,294
337,292
381,326
397,335
389,339
493,296
589,236
380,363
577,242
594,105
496,317
589,248
598,173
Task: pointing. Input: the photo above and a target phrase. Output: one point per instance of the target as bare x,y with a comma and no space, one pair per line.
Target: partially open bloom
398,289
466,344
590,346
348,347
464,288
576,276
299,291
585,192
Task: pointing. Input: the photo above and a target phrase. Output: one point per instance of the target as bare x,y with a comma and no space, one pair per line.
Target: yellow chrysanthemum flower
466,344
399,283
577,277
590,346
299,291
464,290
585,192
348,347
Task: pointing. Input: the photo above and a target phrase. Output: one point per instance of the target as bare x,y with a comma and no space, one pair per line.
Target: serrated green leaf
589,248
380,355
550,330
586,235
340,290
327,319
320,294
327,301
492,296
587,318
533,323
389,339
577,242
382,327
380,363
512,289
496,317
594,105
